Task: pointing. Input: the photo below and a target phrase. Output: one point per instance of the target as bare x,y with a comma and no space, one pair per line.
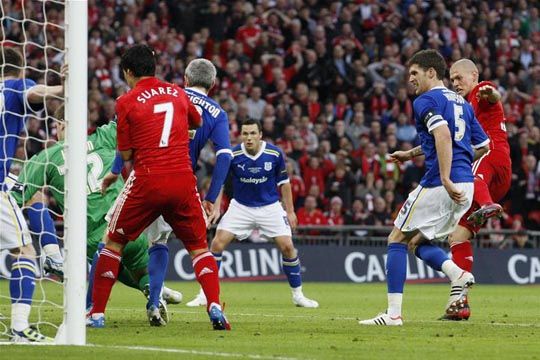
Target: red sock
206,271
481,192
107,268
462,255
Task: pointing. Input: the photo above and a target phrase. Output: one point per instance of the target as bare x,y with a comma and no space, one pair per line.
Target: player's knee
38,197
27,250
396,236
114,242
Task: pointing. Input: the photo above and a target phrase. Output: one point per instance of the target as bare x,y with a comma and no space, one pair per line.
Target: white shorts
271,220
432,211
13,229
158,232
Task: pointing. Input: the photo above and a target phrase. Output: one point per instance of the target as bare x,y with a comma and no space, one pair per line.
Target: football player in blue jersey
449,135
258,169
18,97
200,77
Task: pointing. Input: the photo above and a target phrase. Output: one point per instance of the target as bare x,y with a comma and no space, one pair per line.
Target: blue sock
42,223
432,255
157,267
396,267
218,256
23,280
91,275
291,268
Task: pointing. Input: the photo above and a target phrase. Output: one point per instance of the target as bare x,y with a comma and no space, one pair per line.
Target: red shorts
146,197
495,169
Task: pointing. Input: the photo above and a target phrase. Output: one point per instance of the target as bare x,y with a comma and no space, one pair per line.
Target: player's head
464,76
138,61
60,122
11,62
426,70
200,73
251,134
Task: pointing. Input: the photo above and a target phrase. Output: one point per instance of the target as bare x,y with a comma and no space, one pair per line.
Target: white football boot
199,300
172,296
383,319
302,301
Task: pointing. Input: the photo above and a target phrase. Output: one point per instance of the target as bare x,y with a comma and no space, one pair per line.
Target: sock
396,274
451,270
218,256
21,288
481,192
157,267
291,268
107,268
432,255
91,276
41,222
206,271
462,255
395,300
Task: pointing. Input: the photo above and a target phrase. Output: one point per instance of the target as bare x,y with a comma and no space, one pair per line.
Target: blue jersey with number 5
441,106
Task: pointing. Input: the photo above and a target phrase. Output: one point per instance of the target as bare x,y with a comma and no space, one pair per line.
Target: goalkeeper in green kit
47,169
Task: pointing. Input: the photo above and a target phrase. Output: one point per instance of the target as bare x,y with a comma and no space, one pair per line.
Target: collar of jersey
256,156
196,90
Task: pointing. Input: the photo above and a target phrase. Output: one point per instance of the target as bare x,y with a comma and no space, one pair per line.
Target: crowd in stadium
328,82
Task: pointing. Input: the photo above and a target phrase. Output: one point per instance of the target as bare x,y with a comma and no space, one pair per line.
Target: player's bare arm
126,154
213,211
402,156
443,144
39,93
286,194
478,153
489,93
108,180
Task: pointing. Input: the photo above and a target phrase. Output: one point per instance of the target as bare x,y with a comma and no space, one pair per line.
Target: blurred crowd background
326,79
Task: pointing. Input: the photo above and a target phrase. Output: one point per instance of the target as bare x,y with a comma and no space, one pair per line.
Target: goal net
47,34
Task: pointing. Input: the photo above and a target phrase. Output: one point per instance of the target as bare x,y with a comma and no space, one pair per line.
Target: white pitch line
195,352
168,350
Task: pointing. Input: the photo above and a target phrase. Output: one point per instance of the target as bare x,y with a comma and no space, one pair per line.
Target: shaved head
464,76
465,65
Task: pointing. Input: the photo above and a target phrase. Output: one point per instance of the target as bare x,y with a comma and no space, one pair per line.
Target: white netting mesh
36,30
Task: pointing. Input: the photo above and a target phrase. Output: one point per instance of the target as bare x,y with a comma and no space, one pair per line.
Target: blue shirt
256,178
440,106
215,126
13,112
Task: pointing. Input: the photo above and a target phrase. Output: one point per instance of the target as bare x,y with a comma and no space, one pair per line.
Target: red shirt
315,218
491,117
153,121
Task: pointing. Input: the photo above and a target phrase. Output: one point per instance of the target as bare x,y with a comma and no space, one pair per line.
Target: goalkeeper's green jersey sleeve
47,169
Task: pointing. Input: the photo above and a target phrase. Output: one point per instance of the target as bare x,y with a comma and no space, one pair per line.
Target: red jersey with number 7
491,117
153,120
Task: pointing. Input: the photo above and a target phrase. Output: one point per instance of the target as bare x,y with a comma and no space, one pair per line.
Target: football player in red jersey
493,173
153,122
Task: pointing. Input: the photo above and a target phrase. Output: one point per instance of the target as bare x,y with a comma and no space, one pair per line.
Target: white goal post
73,331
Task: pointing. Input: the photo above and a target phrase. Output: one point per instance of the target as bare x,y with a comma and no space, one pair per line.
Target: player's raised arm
39,93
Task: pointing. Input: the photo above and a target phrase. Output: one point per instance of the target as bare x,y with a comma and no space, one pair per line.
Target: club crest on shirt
267,166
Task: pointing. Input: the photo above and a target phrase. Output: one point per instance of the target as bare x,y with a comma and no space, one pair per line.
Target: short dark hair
251,121
140,60
427,59
12,62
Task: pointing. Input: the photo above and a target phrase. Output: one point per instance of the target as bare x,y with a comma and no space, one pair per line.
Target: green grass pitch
504,325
